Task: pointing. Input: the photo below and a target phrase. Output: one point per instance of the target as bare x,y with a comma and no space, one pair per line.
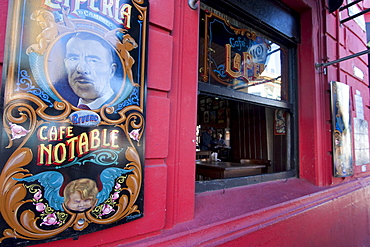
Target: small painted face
76,203
41,22
89,67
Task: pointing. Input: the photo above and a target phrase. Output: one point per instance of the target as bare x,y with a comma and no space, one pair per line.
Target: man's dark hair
90,36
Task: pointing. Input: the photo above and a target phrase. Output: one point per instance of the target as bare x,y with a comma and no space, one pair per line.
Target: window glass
235,56
246,111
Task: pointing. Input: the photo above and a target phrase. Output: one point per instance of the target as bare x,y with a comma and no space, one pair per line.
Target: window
246,97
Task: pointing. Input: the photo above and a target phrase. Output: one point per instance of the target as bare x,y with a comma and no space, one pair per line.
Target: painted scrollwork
28,225
19,112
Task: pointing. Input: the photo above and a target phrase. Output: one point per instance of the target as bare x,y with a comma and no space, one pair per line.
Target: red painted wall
313,210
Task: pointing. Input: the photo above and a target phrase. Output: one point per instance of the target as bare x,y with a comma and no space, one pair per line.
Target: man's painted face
89,67
76,203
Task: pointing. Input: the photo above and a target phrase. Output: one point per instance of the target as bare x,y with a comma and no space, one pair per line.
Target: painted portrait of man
90,66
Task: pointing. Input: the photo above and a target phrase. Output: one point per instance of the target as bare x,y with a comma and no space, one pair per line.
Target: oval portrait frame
56,75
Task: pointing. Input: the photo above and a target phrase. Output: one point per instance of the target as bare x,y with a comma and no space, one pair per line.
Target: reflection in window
237,57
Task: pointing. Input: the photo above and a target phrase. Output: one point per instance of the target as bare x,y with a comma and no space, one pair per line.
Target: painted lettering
75,146
71,143
107,8
59,154
40,133
240,43
235,64
83,144
94,139
92,6
121,14
104,139
113,138
81,119
248,61
44,154
54,133
258,69
125,15
239,66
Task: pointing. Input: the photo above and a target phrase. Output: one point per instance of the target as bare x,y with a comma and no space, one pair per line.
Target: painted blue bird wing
52,181
107,178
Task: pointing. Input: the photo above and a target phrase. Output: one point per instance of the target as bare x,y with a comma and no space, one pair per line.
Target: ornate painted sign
72,145
342,129
237,57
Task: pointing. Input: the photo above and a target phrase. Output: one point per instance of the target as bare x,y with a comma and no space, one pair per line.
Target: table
219,170
223,153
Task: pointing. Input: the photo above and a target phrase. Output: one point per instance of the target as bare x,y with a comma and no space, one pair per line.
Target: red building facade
310,208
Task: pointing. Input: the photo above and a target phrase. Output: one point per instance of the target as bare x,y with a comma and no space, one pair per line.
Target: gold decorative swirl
135,121
23,98
138,1
122,114
12,195
27,114
60,106
141,9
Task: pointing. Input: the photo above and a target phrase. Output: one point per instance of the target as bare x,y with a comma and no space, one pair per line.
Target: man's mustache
83,79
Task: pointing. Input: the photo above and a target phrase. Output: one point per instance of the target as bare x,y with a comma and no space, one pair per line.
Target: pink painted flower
17,131
40,207
49,220
115,196
37,196
134,134
118,186
107,209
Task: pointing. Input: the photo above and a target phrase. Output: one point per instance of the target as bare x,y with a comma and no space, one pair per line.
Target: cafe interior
255,139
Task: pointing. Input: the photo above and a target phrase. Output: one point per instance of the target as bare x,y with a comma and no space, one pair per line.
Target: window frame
243,13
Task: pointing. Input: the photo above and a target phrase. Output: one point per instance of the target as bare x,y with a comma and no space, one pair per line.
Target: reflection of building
299,190
268,85
265,87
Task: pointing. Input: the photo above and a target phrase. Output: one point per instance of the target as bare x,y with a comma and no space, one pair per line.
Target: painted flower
40,207
117,186
134,134
17,131
106,209
115,196
49,220
37,196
